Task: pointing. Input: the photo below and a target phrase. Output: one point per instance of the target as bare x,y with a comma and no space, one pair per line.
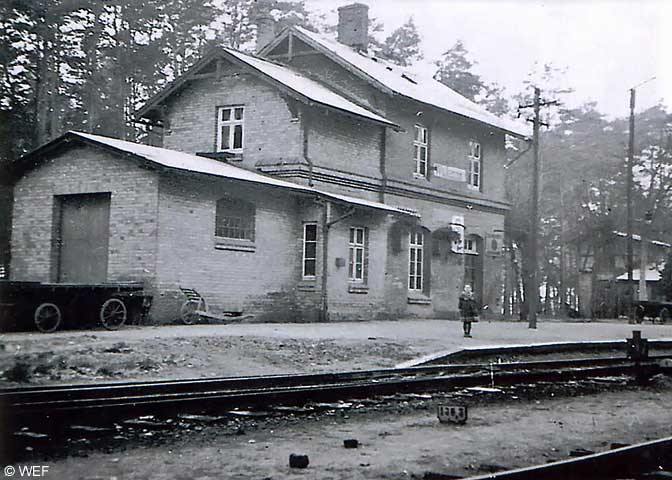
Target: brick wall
270,133
81,170
449,134
449,137
262,282
343,143
358,301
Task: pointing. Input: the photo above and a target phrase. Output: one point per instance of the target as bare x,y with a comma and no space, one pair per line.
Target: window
357,255
473,265
309,250
470,246
415,268
234,219
230,129
475,165
420,150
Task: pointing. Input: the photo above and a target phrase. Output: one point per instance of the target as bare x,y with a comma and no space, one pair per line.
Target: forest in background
88,65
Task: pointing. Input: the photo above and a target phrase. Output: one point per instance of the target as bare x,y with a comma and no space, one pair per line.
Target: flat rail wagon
49,306
653,309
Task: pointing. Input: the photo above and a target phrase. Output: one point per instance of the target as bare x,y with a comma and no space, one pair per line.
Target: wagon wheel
47,317
665,315
113,314
188,312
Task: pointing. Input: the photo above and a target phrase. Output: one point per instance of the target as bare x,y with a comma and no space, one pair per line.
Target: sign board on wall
493,245
450,173
457,225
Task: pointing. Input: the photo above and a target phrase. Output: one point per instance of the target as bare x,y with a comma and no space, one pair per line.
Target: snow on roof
307,87
418,87
193,163
637,238
652,274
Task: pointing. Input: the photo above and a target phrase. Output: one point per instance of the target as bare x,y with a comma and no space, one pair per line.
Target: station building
311,181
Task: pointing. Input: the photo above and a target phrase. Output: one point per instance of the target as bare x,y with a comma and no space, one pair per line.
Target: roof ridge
426,89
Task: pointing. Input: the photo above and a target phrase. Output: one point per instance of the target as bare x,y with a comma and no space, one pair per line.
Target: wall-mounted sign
493,245
450,173
457,225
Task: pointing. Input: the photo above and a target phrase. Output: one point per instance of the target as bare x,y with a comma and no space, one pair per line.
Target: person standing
468,309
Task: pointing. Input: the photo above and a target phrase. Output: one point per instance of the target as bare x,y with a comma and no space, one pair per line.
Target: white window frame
421,144
416,258
355,247
232,123
471,246
304,248
475,165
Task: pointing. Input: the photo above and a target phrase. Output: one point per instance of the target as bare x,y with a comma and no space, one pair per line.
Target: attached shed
94,209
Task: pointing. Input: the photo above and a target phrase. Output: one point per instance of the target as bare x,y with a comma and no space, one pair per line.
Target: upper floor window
357,255
234,219
230,122
415,260
420,144
475,165
309,250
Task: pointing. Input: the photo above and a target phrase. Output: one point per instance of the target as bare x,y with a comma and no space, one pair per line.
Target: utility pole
628,186
534,241
532,298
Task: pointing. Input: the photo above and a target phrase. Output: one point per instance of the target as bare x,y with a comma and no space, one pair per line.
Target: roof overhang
185,163
154,103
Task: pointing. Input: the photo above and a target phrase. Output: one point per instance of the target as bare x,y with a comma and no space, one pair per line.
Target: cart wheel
47,317
188,312
665,315
113,314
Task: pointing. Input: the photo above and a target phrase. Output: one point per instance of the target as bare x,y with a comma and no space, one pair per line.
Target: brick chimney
265,30
353,25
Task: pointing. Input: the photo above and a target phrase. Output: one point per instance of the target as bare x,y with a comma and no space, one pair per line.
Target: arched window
234,219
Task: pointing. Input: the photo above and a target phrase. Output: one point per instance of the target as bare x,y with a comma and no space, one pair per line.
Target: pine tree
403,45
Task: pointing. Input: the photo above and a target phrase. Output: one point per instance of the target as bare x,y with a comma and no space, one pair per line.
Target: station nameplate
450,173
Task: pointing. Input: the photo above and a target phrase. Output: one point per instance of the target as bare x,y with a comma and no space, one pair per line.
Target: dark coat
468,307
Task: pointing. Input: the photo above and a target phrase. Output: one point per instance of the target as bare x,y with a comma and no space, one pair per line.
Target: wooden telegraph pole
628,186
532,297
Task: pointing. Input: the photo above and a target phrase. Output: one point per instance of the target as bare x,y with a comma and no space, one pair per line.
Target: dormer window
230,122
420,145
475,165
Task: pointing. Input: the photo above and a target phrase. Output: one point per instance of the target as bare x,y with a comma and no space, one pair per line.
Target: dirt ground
394,446
143,353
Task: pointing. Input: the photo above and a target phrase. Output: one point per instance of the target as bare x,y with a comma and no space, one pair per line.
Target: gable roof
186,162
400,80
295,84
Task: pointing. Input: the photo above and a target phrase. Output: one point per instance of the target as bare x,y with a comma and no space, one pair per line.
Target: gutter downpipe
326,225
383,173
304,124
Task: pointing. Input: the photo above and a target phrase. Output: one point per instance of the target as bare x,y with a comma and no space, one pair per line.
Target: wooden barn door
84,238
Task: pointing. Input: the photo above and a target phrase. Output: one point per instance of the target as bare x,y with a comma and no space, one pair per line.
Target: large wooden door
84,238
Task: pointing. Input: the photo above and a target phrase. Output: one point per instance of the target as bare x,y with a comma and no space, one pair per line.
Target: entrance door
84,237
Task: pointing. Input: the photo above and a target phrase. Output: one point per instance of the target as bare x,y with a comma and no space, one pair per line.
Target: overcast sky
608,46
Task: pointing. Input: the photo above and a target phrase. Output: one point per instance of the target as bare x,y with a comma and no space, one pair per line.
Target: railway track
648,460
110,402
